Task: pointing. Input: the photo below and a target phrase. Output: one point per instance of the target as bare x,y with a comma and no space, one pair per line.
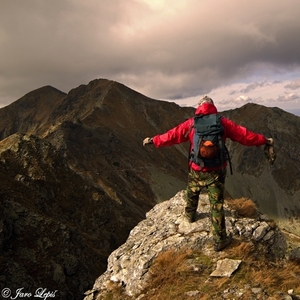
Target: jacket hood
206,109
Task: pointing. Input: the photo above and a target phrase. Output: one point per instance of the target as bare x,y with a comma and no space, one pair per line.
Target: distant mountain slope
100,127
254,177
55,228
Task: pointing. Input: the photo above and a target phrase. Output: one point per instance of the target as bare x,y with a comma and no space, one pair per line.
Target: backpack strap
229,159
222,144
189,131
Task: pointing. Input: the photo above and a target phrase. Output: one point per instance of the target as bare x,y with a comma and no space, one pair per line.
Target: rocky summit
75,178
164,228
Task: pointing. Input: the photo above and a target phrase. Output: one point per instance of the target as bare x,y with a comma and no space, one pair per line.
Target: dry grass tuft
172,275
242,250
168,265
277,277
287,277
244,207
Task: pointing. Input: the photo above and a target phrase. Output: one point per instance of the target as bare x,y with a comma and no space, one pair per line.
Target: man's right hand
147,141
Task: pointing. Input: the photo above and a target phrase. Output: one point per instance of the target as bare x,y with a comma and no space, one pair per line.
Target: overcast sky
236,51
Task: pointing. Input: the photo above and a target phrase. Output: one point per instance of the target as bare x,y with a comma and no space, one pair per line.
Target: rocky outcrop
164,228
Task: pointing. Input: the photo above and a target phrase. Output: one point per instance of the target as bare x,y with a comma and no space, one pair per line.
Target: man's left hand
269,151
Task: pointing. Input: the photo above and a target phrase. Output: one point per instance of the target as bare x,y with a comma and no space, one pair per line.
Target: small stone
192,293
256,290
290,292
260,231
225,267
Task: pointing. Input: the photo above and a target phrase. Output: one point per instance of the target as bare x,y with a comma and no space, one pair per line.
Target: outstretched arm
242,134
248,138
176,135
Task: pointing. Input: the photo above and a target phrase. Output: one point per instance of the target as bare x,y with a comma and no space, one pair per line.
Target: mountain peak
45,93
44,90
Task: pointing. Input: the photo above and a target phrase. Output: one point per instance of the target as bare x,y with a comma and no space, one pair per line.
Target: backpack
209,147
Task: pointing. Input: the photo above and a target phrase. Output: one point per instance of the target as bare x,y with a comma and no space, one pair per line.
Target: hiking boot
221,245
190,217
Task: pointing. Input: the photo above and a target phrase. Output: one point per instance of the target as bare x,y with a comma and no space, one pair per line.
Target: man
210,177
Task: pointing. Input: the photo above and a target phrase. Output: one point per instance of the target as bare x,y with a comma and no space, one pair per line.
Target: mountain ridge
88,142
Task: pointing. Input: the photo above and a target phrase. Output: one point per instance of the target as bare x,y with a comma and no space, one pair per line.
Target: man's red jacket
184,132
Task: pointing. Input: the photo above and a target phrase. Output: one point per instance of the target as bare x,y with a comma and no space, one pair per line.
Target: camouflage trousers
214,182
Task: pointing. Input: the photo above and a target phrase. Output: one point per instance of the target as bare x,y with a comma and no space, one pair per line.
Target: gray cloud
236,102
253,86
289,98
250,87
166,50
294,85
